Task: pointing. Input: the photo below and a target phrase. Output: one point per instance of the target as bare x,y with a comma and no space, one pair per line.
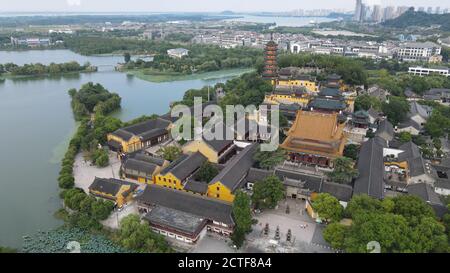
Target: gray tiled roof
207,208
340,191
425,192
413,156
372,112
371,169
148,158
330,92
218,145
437,91
196,186
327,103
109,185
315,184
223,142
416,166
236,170
140,166
417,109
179,220
255,175
409,123
146,129
410,151
385,130
185,165
312,182
442,183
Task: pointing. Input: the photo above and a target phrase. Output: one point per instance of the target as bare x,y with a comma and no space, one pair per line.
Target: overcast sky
193,5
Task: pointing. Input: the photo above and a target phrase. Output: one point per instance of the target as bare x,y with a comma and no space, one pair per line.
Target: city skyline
195,5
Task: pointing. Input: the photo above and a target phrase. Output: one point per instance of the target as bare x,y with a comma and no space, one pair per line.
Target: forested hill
420,19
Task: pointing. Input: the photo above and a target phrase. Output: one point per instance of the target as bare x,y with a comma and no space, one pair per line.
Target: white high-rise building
358,11
389,13
377,15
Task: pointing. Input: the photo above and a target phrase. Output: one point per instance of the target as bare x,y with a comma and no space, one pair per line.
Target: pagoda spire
270,60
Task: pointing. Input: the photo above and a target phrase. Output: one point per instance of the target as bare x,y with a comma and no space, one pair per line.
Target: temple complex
316,138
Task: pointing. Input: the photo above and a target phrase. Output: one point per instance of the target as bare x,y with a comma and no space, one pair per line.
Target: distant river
36,124
281,21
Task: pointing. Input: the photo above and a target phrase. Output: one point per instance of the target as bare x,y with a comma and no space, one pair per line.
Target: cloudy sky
192,5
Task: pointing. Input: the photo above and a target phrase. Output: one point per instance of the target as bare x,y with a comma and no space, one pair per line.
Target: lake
281,21
36,124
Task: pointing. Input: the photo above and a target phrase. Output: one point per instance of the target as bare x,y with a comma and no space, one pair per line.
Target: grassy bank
157,76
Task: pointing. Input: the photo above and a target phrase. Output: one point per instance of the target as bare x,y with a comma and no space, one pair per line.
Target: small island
11,70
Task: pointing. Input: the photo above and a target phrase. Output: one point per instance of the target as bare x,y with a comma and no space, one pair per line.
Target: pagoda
270,61
316,138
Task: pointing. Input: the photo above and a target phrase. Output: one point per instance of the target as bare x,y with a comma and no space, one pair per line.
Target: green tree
438,124
396,109
206,172
412,208
137,236
267,193
170,153
242,215
390,230
365,102
334,234
429,236
66,181
344,170
351,151
405,137
269,159
100,158
328,207
101,210
361,204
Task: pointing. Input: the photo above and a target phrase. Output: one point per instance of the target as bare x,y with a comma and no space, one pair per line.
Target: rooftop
110,186
185,165
235,171
371,169
317,133
179,220
187,202
140,166
144,130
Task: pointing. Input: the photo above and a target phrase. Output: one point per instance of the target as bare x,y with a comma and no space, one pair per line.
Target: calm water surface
281,21
36,124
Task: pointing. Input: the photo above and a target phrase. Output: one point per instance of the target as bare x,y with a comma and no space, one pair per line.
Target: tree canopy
328,207
403,224
396,109
137,236
344,170
269,159
170,153
268,192
206,172
242,215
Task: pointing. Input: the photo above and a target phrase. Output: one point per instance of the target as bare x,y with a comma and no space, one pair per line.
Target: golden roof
316,133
